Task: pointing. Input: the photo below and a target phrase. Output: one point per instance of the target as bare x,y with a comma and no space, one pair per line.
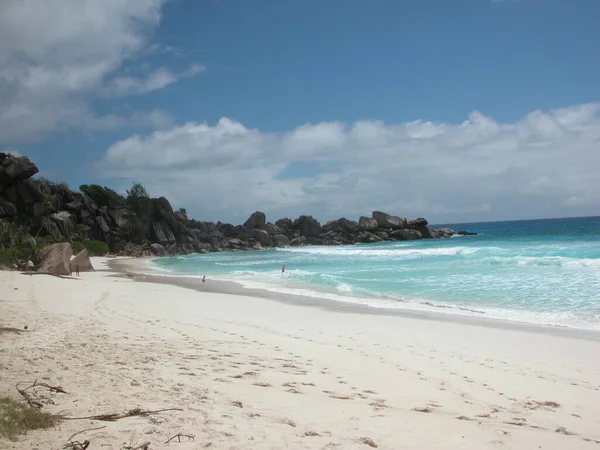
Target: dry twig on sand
76,445
32,400
111,417
144,446
179,436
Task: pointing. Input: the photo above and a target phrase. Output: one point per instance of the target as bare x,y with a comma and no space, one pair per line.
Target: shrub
17,418
97,248
77,246
102,195
6,257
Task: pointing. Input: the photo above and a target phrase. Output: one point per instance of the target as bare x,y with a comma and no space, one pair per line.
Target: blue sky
311,89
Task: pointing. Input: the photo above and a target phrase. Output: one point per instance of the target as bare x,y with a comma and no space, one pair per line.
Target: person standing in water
283,269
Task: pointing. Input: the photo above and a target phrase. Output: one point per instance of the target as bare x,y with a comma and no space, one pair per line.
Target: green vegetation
102,195
22,245
139,201
17,418
77,247
97,248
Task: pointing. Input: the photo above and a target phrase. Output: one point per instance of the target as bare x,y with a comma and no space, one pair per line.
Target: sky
457,111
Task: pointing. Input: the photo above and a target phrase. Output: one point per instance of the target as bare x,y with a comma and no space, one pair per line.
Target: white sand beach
253,373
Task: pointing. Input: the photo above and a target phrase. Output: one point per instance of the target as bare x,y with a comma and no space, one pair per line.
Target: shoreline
257,374
218,286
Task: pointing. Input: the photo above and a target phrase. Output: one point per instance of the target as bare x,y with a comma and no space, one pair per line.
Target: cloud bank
56,55
544,165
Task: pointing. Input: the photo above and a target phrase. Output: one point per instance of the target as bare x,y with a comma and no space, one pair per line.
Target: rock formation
56,259
143,226
82,259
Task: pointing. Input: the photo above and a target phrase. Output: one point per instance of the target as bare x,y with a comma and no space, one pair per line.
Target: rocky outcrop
14,169
388,222
280,240
7,209
143,226
367,223
307,226
262,237
158,250
56,259
406,235
82,261
256,220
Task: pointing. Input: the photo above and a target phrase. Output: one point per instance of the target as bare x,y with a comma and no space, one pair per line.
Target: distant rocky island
138,225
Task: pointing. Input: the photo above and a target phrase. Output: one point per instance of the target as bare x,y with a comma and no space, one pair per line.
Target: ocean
533,271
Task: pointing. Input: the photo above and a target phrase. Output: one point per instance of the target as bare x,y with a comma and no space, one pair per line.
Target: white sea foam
394,252
532,283
422,305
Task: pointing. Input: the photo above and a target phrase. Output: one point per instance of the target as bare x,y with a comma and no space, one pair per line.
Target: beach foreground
259,374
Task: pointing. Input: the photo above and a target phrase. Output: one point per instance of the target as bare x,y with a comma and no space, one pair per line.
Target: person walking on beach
28,266
76,269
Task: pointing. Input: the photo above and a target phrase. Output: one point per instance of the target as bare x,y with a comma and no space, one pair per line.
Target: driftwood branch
111,417
31,399
85,431
76,445
179,436
144,446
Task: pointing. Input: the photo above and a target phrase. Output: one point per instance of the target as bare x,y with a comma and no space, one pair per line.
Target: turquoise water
538,271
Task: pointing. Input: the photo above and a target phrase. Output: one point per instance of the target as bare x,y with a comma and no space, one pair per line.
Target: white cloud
158,79
545,164
57,54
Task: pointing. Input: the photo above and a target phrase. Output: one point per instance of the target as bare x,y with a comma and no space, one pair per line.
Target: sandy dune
251,373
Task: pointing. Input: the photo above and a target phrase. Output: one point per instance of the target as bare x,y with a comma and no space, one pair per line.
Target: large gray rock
285,224
281,240
427,232
342,225
163,205
11,194
65,222
158,250
405,235
82,261
163,233
367,237
390,222
262,237
89,205
13,169
131,249
202,247
308,226
272,229
28,192
102,224
56,259
38,209
382,234
417,223
256,220
49,228
299,241
7,208
120,217
367,223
